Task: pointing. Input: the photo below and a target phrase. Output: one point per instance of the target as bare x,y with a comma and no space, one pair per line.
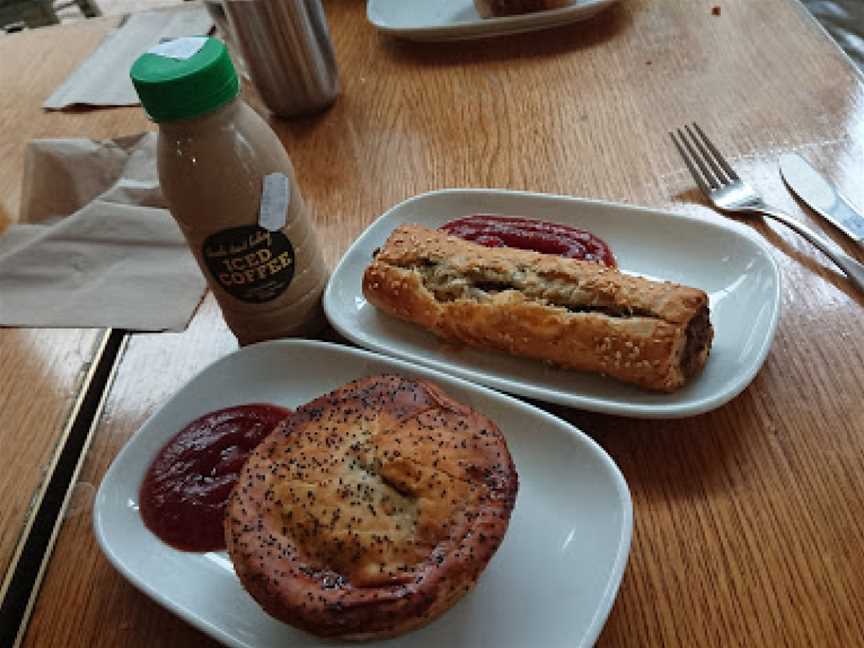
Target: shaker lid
184,78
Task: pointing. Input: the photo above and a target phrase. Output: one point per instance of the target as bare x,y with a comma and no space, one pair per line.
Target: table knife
821,196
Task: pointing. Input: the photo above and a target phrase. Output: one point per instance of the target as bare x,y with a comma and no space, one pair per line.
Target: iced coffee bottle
231,187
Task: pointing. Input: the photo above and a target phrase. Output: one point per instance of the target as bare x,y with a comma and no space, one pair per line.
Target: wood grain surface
748,520
43,370
43,374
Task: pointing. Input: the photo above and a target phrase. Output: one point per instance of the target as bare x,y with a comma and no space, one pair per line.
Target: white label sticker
179,48
275,199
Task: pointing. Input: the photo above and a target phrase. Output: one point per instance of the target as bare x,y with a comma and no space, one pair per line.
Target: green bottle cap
179,81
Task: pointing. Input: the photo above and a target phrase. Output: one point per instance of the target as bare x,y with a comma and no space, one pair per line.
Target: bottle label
251,263
275,200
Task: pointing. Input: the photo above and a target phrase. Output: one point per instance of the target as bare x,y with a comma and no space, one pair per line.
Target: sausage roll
570,313
371,510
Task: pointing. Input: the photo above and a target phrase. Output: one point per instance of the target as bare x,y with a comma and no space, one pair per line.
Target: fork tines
707,165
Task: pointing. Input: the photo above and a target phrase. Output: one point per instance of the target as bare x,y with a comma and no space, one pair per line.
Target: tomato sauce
185,491
530,234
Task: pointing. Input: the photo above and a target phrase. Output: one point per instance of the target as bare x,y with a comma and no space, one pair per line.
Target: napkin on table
103,78
117,259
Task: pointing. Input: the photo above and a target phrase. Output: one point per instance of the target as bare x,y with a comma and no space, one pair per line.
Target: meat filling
699,334
449,285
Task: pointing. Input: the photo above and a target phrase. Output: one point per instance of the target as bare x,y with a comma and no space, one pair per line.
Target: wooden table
47,374
748,520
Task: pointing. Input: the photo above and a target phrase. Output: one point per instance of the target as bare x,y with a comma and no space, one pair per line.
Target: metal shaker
216,10
287,51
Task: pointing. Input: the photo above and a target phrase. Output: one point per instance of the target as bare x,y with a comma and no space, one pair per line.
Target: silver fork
728,193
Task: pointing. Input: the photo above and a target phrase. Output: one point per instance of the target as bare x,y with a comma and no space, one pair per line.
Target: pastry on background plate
371,510
569,313
496,8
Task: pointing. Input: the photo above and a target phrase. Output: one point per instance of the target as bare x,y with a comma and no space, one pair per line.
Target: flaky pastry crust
371,510
570,313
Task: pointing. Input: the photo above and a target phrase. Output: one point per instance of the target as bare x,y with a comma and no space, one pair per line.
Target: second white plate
441,20
727,262
551,583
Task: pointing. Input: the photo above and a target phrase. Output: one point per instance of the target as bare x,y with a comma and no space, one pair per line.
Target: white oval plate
551,583
726,261
442,20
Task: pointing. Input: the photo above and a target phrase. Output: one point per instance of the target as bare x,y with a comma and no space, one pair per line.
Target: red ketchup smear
530,234
186,488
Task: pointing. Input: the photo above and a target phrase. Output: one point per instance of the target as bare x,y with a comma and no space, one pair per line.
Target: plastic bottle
231,188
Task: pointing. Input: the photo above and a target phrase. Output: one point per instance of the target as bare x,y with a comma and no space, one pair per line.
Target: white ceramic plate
440,20
726,261
552,582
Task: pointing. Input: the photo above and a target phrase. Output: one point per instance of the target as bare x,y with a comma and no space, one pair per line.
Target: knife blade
821,196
